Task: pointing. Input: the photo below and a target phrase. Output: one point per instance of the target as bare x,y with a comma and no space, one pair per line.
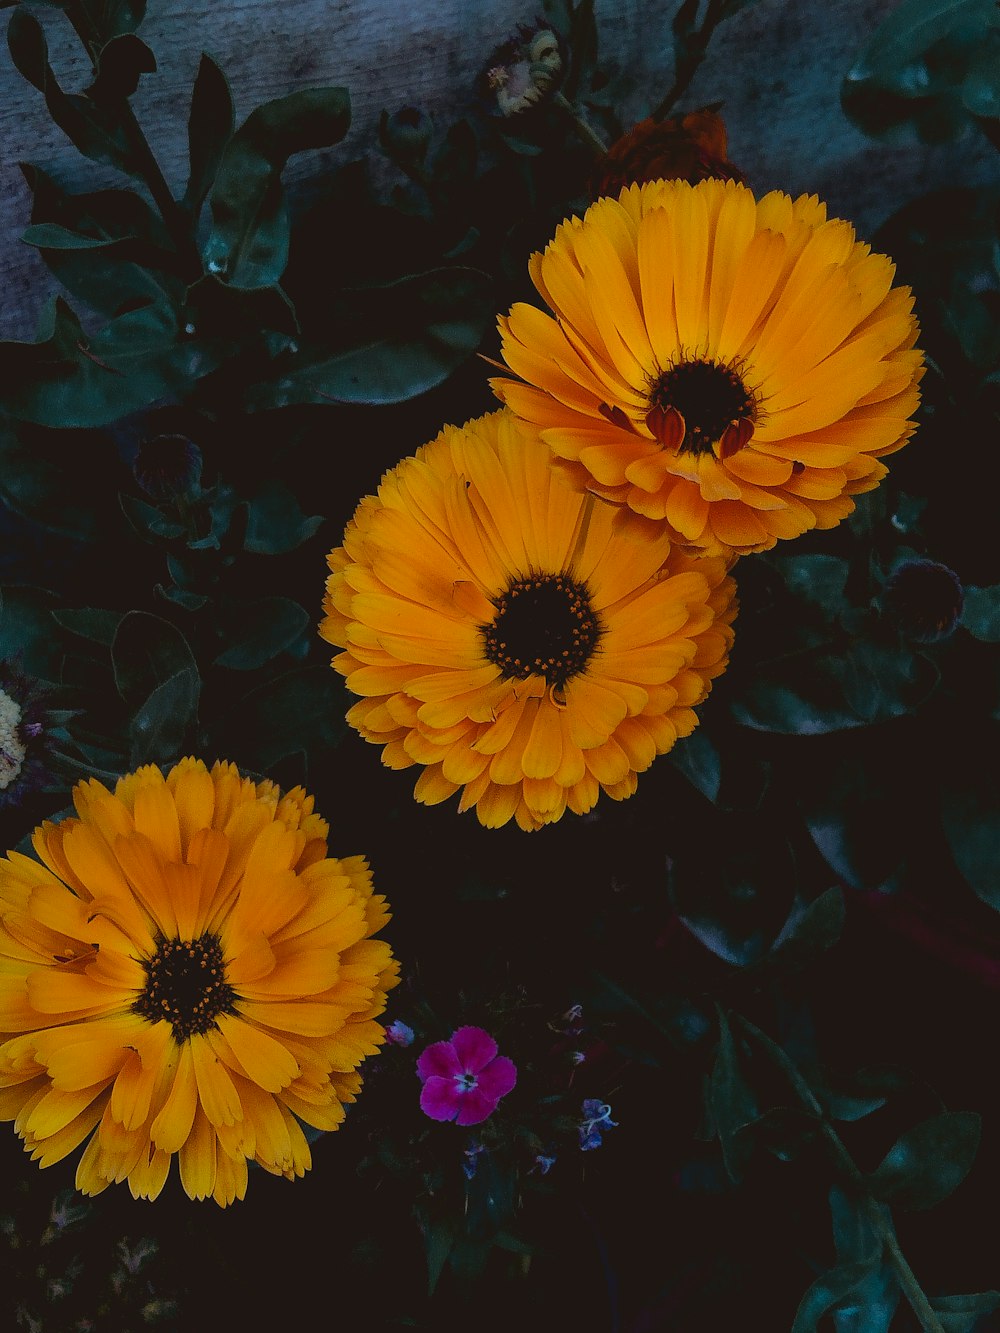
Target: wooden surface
776,67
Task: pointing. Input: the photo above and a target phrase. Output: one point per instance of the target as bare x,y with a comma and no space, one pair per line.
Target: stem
589,137
877,1213
170,211
686,69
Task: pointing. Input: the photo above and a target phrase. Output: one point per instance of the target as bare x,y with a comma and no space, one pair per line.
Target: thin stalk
584,131
877,1213
170,211
688,67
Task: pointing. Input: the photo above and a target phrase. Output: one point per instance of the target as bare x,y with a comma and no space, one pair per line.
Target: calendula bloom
925,599
503,634
728,369
186,973
688,148
464,1078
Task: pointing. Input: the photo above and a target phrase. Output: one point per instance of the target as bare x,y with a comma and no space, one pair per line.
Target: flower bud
405,135
167,467
925,599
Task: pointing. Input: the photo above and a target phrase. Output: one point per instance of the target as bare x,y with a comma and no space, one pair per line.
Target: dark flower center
544,626
711,402
186,985
466,1082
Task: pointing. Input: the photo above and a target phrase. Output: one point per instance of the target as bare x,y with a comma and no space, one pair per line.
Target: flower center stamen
466,1082
698,405
186,985
544,626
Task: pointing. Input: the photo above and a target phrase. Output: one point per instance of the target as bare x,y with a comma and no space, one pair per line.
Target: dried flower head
523,72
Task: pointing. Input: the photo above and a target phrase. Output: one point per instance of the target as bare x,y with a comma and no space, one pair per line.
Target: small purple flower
596,1119
471,1162
543,1164
464,1078
399,1034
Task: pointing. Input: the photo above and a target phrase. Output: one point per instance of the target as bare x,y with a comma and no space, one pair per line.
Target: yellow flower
727,368
502,634
187,972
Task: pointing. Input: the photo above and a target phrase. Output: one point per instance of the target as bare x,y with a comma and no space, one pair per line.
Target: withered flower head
524,71
167,467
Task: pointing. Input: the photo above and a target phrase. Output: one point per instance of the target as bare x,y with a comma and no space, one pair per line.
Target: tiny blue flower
399,1034
544,1164
596,1119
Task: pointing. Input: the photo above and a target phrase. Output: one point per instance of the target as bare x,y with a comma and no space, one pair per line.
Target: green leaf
276,523
819,579
90,623
852,807
404,338
219,311
70,380
439,1242
161,725
731,1104
699,760
961,1314
26,630
871,1306
45,480
810,930
981,613
126,268
50,236
302,710
929,1161
259,630
120,65
146,652
148,522
835,688
927,69
970,809
248,243
210,127
90,127
827,1293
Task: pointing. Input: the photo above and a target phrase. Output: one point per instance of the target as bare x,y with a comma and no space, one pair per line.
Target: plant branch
878,1214
584,131
687,67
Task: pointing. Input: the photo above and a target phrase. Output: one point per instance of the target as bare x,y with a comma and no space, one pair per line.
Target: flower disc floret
728,369
185,972
502,633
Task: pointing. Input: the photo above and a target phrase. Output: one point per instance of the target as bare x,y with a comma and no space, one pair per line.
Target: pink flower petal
474,1048
475,1107
441,1059
440,1098
497,1079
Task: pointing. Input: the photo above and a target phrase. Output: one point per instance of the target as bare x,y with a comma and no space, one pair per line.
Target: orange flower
502,634
693,148
186,973
726,369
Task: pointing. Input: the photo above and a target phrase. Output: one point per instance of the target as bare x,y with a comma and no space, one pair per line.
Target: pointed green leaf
146,652
210,127
827,1293
929,1161
403,339
248,243
161,726
259,630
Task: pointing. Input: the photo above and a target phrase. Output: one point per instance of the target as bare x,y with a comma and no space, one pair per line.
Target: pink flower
464,1078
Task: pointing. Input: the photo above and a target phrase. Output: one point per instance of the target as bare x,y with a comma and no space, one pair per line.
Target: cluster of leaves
76,1277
